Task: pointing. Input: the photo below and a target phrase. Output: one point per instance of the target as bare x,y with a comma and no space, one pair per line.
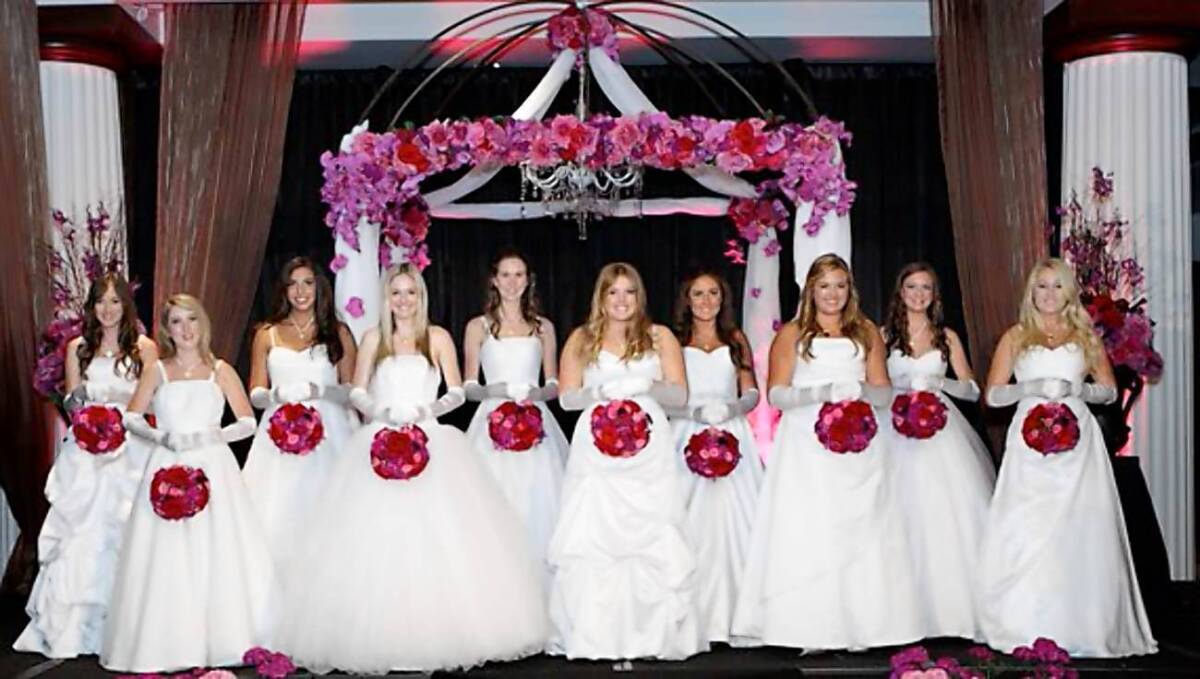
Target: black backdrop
901,213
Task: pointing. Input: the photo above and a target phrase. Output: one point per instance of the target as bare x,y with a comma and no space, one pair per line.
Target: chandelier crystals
570,190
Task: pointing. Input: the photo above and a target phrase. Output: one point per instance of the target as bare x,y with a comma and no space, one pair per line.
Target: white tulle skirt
531,480
196,592
283,486
90,499
720,518
1055,558
828,566
422,574
624,570
943,485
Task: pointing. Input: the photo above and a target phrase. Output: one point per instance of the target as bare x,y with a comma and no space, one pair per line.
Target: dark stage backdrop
901,213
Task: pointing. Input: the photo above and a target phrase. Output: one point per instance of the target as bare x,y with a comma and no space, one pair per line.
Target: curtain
989,69
226,89
24,216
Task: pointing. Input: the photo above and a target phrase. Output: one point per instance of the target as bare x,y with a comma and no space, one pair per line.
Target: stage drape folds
227,81
989,67
24,217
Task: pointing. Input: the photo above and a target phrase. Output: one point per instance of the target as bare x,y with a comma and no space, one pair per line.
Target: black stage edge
1177,628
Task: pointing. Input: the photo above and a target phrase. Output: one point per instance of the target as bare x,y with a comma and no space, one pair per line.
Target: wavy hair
853,323
896,327
727,330
530,304
166,345
1030,331
387,324
323,313
638,339
129,358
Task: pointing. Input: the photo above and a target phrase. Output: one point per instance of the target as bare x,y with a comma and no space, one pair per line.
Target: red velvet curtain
226,87
989,67
24,216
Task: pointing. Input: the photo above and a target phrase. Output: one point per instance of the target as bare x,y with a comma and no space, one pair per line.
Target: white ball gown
197,591
427,573
1055,559
943,484
530,479
283,485
828,565
624,571
720,512
90,497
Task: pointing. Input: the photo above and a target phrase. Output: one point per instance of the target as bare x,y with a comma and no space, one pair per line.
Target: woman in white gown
515,345
301,355
624,570
943,478
414,561
721,390
1055,559
90,491
828,566
195,578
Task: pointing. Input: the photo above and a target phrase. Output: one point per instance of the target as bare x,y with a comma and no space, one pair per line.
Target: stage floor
1178,656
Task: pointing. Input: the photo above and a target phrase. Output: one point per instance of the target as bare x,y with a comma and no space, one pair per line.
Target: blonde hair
1030,332
166,345
387,324
853,323
638,339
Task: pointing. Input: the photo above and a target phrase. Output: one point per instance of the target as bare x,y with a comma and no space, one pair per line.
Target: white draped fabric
1144,142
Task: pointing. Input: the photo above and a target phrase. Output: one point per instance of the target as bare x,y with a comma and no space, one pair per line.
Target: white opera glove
334,393
241,428
77,399
260,397
845,391
136,423
626,387
712,413
668,394
96,393
363,402
1091,392
544,393
517,391
966,390
580,398
295,392
478,392
1000,395
402,415
787,397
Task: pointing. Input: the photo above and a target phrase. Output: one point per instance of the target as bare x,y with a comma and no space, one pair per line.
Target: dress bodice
515,360
835,359
900,366
1066,362
290,366
711,376
117,385
188,405
608,367
405,379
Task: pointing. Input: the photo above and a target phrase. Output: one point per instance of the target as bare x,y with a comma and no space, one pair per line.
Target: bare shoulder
73,345
545,326
663,336
147,347
439,335
952,337
224,371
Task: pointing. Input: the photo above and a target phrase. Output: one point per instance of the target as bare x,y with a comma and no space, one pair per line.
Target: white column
1127,112
82,121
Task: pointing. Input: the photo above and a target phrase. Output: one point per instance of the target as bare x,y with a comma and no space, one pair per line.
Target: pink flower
756,292
981,653
733,252
217,674
932,673
354,307
338,263
772,248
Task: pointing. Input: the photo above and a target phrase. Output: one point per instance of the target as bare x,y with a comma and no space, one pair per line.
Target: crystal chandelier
570,190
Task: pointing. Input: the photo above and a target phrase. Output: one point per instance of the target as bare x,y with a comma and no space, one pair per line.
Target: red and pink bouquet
98,429
515,426
1110,284
712,453
620,428
1051,428
179,492
401,453
846,426
296,428
919,414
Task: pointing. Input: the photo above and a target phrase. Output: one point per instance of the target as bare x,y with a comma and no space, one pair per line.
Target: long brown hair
896,327
326,319
166,345
853,323
130,357
530,304
727,330
387,324
638,339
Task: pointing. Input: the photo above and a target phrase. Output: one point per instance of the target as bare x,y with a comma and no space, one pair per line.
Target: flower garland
515,427
378,177
1051,428
98,429
575,30
1044,657
1110,285
296,429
